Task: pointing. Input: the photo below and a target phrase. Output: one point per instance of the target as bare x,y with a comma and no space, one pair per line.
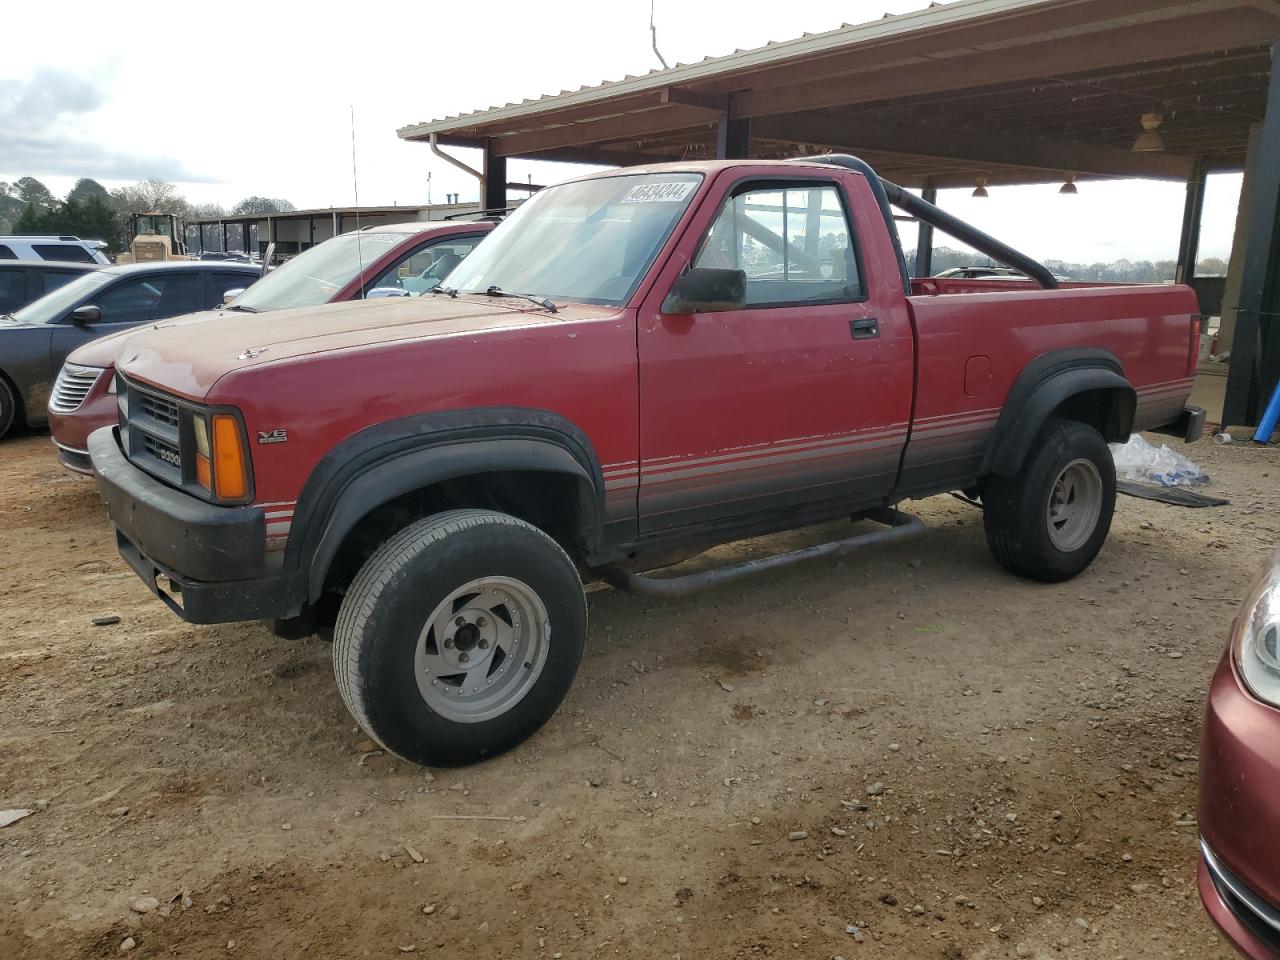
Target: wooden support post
1189,242
924,238
1255,348
494,190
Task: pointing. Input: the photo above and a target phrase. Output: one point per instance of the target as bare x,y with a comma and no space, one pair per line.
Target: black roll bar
888,192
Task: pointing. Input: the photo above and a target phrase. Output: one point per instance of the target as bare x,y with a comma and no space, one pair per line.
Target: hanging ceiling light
1069,187
981,189
1149,140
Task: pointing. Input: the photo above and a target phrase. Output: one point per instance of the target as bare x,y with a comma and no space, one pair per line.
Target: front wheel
8,406
1049,521
459,637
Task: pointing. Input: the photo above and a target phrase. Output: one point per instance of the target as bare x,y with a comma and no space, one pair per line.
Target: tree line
1117,271
92,212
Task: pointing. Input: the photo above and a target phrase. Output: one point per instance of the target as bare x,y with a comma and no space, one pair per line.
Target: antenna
653,32
355,189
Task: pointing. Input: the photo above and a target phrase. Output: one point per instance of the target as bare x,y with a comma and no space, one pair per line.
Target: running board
898,526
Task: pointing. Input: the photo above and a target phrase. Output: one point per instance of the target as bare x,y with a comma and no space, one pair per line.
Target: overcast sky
238,99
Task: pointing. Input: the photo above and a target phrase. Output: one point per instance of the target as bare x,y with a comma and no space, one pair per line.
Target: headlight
1256,640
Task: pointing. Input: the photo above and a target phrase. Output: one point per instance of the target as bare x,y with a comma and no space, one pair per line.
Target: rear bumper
1189,425
212,556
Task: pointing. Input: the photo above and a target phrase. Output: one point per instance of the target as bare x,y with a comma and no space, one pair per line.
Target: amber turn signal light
231,473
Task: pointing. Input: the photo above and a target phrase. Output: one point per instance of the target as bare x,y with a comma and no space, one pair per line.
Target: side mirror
86,314
381,293
707,290
229,295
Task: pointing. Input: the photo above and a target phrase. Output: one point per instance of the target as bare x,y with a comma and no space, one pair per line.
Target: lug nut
463,657
448,644
459,622
484,644
480,622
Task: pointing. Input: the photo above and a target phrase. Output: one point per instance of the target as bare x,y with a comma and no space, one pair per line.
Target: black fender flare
386,461
1042,386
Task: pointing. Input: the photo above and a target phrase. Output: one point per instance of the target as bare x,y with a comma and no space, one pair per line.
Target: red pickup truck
636,365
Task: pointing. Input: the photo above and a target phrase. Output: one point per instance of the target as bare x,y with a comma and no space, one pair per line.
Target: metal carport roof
1011,90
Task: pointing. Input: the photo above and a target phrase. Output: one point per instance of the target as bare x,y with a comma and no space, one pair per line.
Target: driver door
801,398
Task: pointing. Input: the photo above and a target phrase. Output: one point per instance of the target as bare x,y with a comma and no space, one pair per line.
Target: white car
66,249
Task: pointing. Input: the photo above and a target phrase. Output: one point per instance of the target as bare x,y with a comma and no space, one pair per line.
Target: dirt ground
907,753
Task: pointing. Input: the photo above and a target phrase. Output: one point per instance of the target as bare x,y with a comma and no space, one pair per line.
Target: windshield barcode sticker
659,192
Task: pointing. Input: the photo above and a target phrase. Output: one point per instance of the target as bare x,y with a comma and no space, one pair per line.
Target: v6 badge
278,435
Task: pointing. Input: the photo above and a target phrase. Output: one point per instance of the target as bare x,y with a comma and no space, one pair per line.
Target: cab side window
795,244
63,251
220,283
13,290
150,298
425,267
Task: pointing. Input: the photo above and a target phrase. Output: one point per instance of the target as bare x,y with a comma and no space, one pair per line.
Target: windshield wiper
441,288
543,302
244,309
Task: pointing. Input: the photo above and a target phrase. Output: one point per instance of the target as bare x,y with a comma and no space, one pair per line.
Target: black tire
1016,510
8,406
384,627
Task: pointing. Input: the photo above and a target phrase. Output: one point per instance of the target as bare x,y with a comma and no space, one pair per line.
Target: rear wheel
1049,521
459,637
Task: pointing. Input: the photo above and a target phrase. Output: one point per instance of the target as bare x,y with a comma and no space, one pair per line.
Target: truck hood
102,352
190,362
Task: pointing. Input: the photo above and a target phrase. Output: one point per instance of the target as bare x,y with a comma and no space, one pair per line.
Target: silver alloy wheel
482,649
1075,504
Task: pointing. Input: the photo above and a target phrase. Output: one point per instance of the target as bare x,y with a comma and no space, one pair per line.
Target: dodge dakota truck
635,366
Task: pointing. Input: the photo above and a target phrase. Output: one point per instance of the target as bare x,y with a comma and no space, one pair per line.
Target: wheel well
559,504
1109,410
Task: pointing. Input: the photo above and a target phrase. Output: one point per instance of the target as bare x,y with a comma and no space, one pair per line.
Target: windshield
590,241
316,275
54,306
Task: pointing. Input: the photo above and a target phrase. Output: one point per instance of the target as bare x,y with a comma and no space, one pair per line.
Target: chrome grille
72,386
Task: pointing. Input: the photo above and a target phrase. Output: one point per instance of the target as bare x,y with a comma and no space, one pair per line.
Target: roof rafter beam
636,126
715,103
1031,61
968,146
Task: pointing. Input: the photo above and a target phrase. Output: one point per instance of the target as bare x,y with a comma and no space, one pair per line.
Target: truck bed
975,337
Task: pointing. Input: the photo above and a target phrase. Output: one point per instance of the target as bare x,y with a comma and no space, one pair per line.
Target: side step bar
898,526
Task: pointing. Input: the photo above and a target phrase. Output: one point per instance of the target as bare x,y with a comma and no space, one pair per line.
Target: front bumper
71,428
1250,923
74,459
1239,815
212,556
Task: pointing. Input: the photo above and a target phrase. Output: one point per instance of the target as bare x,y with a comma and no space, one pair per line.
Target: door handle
864,329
